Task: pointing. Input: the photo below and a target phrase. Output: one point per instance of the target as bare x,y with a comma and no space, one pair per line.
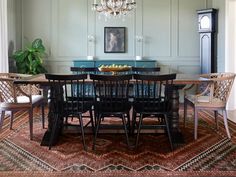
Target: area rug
211,155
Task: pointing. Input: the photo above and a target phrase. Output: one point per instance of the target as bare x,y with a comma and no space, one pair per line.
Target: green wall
168,27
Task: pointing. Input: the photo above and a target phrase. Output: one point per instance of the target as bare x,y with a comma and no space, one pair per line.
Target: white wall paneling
3,37
168,27
59,66
230,47
72,28
138,30
91,34
36,21
128,23
157,28
220,57
11,20
188,27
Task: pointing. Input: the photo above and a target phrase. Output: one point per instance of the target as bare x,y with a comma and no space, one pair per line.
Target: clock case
208,40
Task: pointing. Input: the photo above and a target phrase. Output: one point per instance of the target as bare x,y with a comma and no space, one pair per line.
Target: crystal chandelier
114,8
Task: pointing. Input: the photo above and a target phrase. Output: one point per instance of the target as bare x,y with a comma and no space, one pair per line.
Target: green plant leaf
30,49
30,60
38,45
17,54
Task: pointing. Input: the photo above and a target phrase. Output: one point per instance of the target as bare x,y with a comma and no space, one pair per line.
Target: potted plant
30,60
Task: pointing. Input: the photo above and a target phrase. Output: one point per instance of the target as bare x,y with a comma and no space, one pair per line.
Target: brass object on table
114,69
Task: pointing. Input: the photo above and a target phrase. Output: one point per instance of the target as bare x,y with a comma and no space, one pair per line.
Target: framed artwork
114,39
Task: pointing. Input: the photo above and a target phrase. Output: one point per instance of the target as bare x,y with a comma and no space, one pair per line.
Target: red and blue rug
211,155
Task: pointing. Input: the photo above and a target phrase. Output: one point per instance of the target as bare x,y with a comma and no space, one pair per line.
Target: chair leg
226,124
168,132
185,113
1,119
126,131
43,116
82,131
92,122
31,123
133,121
11,120
96,132
195,123
95,117
128,122
139,128
216,119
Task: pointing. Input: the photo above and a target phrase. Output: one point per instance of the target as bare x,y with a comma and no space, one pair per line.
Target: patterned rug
211,155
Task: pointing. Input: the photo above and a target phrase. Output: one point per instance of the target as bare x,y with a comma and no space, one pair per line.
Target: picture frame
114,39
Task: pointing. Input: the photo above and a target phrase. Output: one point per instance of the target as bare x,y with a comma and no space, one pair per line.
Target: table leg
51,120
176,134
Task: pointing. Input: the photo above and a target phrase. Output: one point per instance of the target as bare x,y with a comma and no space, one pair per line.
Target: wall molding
85,22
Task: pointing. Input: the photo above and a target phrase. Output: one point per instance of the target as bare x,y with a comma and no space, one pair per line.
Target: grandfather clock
207,29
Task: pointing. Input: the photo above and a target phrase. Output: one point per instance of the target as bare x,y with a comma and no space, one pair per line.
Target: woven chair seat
25,99
204,101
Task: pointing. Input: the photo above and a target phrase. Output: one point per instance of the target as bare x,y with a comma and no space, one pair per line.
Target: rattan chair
214,98
14,97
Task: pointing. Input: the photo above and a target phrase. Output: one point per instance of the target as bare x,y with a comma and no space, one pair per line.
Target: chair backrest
67,93
84,70
152,92
10,75
111,91
220,86
10,91
7,91
142,70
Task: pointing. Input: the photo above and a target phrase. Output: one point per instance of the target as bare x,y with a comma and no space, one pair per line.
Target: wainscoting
168,30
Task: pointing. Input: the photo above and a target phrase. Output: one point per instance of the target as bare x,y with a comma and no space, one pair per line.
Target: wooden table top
181,79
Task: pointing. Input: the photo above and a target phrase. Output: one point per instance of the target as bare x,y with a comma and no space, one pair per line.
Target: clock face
205,22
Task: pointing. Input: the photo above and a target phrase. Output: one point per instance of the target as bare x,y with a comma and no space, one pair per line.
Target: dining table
182,81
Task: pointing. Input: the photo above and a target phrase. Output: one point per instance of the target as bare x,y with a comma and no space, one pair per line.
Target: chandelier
114,8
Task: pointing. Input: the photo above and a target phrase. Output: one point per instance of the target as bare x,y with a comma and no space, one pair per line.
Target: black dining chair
151,99
67,99
89,96
112,100
88,86
146,70
84,70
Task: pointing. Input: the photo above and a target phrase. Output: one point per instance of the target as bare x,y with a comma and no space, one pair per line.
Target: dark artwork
114,39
